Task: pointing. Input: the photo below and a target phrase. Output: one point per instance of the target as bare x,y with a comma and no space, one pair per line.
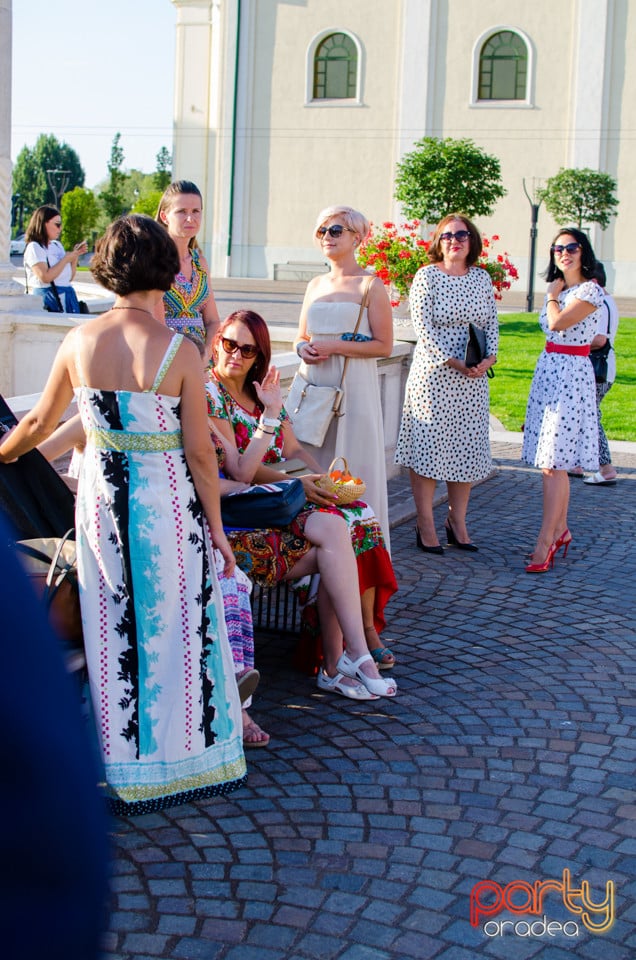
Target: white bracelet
269,421
302,343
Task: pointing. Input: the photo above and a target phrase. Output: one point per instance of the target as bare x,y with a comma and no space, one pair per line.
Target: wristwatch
270,422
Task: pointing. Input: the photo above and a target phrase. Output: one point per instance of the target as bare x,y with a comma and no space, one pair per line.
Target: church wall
306,156
417,78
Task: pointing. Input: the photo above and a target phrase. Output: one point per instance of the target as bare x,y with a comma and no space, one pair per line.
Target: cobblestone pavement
507,756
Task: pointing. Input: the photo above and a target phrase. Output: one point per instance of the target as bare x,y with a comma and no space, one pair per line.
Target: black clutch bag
476,348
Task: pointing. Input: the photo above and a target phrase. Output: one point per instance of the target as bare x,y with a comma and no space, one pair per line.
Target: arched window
503,67
335,68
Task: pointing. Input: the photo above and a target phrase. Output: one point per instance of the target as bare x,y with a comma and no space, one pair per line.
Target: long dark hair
588,260
258,328
36,230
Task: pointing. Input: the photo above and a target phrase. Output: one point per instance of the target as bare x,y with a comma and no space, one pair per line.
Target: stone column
9,289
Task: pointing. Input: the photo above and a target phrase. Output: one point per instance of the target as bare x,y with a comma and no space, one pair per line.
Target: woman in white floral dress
444,434
147,516
561,428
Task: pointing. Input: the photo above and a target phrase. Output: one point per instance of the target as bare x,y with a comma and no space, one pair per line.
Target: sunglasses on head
335,231
558,248
460,236
247,350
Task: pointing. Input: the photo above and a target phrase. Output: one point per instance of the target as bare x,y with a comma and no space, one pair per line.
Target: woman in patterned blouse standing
189,303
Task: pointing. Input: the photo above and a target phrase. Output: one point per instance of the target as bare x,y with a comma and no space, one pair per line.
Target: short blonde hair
353,219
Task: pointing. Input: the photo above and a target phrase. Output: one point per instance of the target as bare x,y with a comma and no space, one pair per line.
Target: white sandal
351,668
335,685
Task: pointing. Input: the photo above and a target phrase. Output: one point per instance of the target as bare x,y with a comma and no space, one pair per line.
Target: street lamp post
534,218
58,182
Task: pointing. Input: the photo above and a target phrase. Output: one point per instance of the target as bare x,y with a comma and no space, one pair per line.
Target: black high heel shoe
439,550
454,542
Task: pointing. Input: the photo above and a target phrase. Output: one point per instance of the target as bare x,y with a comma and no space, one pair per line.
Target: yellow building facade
283,107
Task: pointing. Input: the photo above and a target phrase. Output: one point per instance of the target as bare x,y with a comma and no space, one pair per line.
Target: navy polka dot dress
561,428
444,433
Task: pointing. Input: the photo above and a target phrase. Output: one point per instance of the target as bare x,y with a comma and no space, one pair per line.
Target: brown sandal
260,738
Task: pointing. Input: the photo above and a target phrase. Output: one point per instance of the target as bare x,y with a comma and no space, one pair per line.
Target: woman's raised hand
269,393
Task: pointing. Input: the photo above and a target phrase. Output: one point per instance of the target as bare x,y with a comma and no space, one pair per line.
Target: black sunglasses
335,231
558,248
460,236
247,350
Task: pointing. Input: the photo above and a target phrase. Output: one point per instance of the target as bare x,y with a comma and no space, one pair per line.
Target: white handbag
312,407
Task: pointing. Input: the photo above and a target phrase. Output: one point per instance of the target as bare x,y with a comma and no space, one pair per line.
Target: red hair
258,328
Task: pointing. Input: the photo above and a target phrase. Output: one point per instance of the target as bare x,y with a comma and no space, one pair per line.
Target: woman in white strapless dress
325,338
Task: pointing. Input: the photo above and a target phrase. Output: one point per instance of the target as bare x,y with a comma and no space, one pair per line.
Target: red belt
583,351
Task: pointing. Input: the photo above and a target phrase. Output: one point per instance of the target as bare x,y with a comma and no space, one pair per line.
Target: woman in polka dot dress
444,434
147,516
561,428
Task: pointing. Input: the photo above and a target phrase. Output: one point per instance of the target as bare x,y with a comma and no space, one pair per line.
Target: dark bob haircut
435,252
588,260
135,254
36,230
258,328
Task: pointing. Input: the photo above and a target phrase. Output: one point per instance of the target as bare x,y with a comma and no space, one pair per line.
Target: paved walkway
507,756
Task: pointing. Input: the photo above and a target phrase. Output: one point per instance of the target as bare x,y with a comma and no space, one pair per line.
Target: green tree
580,196
446,176
163,174
113,197
148,203
80,213
34,169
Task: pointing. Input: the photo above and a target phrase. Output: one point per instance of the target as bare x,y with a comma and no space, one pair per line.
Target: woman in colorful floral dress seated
245,406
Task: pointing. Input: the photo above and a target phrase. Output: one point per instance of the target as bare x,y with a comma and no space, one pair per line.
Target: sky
87,69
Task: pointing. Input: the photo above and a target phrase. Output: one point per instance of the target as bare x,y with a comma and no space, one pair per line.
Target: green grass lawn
520,343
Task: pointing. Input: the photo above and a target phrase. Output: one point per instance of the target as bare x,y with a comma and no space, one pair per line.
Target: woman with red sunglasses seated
561,428
245,407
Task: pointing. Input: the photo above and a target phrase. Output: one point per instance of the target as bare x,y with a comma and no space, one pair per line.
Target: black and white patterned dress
561,428
159,664
444,433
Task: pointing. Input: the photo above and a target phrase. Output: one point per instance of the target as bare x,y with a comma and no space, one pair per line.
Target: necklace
139,310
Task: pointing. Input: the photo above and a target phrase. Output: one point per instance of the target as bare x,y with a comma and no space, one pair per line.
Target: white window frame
309,86
528,101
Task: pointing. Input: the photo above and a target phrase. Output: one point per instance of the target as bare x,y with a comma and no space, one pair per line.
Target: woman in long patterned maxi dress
160,668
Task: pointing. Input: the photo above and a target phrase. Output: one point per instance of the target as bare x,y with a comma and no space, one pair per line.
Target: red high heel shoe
563,541
547,563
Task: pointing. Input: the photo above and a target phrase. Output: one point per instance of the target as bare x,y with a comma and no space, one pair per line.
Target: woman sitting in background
46,261
242,412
